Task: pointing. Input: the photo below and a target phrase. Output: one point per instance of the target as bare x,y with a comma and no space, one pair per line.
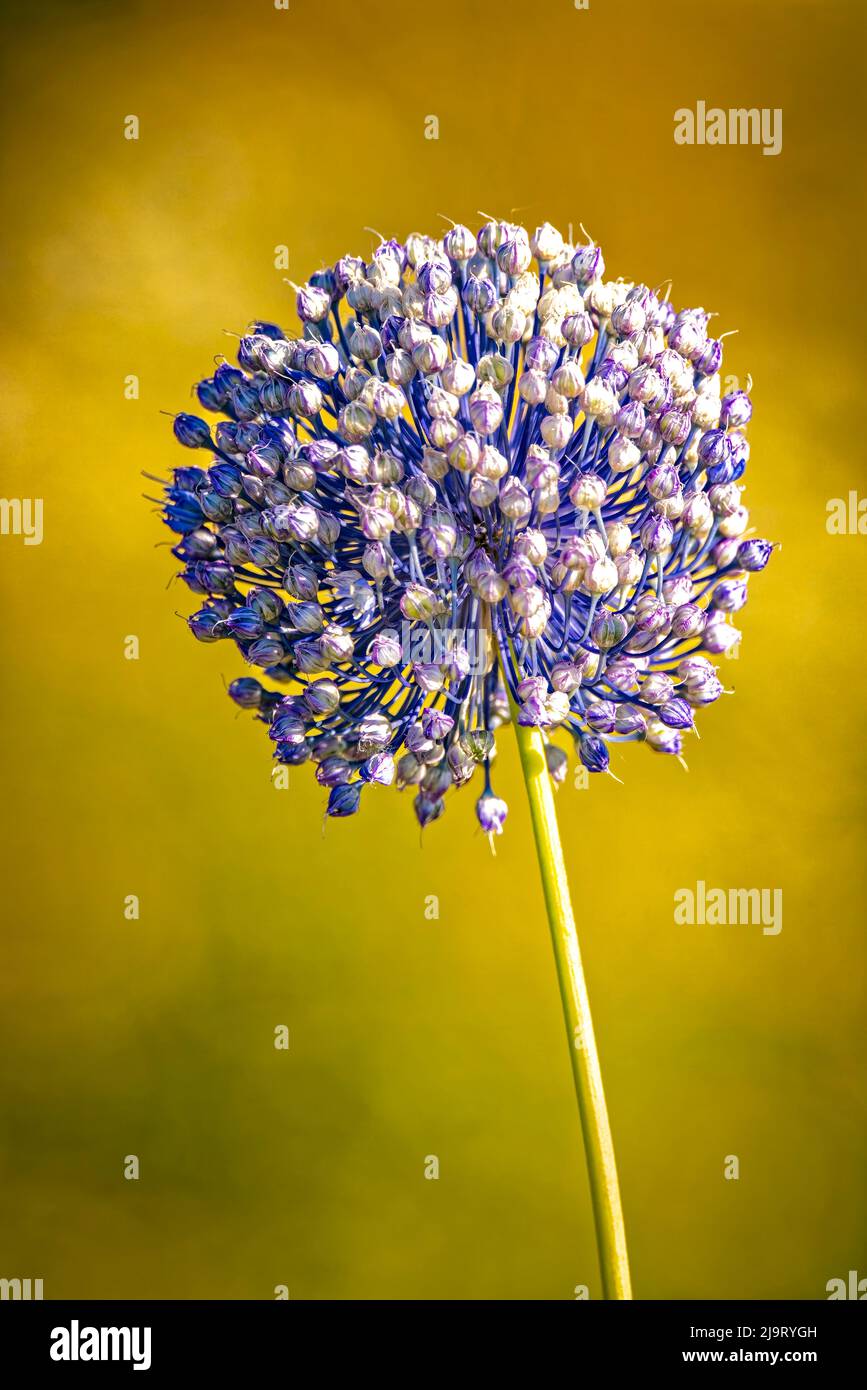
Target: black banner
159,1338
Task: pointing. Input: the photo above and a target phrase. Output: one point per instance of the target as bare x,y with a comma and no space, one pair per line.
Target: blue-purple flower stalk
481,478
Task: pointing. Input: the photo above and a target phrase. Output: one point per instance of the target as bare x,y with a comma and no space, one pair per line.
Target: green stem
602,1169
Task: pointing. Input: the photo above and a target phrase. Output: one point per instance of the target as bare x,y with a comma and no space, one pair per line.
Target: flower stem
601,1167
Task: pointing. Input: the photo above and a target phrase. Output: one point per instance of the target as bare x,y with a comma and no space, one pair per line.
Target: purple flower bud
557,763
246,624
628,319
736,409
663,739
663,481
674,426
266,652
593,752
588,264
428,808
312,303
708,357
436,723
246,692
714,448
333,771
656,534
322,697
720,636
541,355
688,621
600,715
629,721
344,800
491,812
578,329
730,595
479,294
459,243
192,432
210,396
649,387
286,727
754,554
688,332
631,419
612,374
379,768
292,753
703,689
206,625
676,714
609,629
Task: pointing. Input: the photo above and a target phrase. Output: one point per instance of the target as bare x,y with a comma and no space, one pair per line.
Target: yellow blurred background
412,1037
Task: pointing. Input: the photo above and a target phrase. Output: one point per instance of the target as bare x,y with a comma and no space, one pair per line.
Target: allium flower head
479,473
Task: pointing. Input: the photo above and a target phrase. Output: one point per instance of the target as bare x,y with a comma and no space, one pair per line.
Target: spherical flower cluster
482,476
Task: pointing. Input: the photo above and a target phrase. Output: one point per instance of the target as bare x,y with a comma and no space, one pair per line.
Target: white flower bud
355,422
601,577
442,405
483,492
546,242
458,376
444,432
588,491
698,514
492,464
706,411
568,380
524,294
556,431
508,324
735,524
599,402
532,544
623,455
532,387
630,567
619,538
515,500
434,464
399,367
495,370
625,354
724,498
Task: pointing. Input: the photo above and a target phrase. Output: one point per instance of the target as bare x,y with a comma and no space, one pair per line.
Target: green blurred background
412,1037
